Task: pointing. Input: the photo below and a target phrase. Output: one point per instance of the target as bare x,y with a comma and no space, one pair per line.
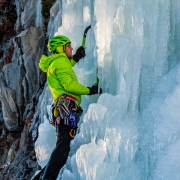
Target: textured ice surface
45,142
132,131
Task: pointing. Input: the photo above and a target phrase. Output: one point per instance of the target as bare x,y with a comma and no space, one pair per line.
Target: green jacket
61,77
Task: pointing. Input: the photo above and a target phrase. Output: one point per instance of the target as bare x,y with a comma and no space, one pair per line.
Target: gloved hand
94,89
80,53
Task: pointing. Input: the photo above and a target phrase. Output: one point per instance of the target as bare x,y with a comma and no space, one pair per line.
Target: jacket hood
45,61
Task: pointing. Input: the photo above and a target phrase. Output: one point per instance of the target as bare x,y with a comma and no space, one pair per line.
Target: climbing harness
66,111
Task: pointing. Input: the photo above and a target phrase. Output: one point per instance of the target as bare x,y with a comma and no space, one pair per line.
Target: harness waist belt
67,97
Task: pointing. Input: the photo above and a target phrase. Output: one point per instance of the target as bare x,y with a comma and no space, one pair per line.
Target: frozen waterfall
132,130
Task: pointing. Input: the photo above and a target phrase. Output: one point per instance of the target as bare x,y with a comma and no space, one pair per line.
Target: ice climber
66,92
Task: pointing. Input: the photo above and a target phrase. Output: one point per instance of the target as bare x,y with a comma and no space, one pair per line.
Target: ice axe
84,37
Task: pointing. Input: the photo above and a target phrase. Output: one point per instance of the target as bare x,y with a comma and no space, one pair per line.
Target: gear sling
66,115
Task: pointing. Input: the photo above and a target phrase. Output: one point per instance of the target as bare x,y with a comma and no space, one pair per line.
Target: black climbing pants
60,153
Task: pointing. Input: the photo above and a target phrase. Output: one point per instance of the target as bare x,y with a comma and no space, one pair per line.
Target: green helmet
57,41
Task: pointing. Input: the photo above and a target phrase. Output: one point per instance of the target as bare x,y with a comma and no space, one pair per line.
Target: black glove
80,53
94,90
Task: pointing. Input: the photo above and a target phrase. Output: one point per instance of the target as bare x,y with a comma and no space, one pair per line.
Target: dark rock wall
21,77
22,42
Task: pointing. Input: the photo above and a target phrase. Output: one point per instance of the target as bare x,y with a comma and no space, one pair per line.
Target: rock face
21,77
22,42
24,162
21,84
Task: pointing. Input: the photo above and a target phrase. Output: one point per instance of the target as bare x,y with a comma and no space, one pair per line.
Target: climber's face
68,51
